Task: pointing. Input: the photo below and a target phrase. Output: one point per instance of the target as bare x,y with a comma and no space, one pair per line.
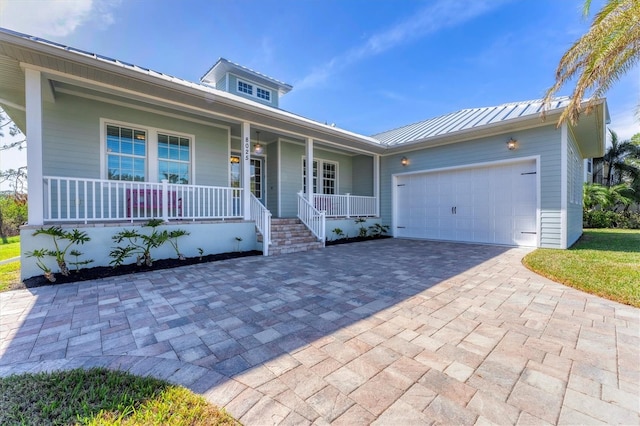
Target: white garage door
491,204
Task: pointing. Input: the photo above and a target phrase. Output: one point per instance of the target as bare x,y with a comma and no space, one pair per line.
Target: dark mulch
109,271
353,240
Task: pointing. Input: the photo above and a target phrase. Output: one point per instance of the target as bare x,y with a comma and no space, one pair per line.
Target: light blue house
112,144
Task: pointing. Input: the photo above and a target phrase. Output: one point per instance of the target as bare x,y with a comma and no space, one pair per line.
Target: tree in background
13,203
16,178
599,58
621,162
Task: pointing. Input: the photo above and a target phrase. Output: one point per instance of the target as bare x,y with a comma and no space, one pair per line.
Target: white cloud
54,18
435,17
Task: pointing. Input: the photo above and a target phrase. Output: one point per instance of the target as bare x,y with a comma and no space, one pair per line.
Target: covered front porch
114,151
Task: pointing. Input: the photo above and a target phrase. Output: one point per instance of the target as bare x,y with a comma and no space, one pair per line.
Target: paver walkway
386,332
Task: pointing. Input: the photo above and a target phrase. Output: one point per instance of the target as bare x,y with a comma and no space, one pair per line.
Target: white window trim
151,161
320,162
254,93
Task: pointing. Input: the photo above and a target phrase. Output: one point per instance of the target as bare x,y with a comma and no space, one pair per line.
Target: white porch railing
262,216
346,205
311,217
98,200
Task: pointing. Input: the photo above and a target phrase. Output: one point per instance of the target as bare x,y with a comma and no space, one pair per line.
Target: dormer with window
233,78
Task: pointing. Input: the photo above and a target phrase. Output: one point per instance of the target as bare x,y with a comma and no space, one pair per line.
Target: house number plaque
247,146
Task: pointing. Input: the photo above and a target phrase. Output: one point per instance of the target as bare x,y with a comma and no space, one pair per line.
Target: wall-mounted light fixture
512,144
257,148
404,161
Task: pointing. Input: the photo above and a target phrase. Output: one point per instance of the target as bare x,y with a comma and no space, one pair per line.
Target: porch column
376,182
33,101
246,171
309,189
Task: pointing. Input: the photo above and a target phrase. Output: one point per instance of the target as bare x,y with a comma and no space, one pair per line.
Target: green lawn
102,397
605,262
9,272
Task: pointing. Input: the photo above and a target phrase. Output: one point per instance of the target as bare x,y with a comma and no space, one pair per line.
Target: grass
604,262
9,272
9,276
102,397
10,249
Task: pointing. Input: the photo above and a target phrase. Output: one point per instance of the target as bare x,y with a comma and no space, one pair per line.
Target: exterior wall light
404,161
512,144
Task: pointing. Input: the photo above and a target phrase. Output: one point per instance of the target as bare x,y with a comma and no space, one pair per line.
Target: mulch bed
353,240
98,272
109,271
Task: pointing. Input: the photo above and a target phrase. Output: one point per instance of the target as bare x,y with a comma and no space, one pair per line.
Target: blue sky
365,65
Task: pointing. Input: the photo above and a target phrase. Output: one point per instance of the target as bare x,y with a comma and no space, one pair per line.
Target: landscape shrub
610,219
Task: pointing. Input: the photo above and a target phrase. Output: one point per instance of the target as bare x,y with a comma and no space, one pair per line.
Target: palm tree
620,162
610,48
594,195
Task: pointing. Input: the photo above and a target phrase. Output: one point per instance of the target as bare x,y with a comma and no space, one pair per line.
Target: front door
256,173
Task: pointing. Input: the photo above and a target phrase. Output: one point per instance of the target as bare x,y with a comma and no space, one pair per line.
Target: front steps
291,236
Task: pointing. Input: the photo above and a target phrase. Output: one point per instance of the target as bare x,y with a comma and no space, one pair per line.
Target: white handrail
313,218
262,216
68,199
346,205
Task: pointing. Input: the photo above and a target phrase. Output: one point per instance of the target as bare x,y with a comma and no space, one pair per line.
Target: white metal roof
465,119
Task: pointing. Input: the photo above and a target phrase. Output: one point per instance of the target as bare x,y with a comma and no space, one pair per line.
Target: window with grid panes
329,177
174,158
263,94
126,153
245,87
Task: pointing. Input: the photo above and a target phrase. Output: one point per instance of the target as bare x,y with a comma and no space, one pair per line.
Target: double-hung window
174,157
328,180
126,153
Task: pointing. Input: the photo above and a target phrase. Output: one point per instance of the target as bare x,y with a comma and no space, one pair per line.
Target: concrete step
290,235
293,241
294,248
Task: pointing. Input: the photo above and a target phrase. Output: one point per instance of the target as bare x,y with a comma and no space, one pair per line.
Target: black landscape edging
353,240
98,272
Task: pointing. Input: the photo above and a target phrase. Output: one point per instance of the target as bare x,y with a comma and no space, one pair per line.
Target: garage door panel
496,204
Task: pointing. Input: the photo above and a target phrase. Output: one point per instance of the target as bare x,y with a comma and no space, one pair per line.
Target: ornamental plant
62,241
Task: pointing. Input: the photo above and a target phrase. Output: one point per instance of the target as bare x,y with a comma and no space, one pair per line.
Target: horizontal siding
363,175
574,207
543,141
71,138
272,178
291,174
291,177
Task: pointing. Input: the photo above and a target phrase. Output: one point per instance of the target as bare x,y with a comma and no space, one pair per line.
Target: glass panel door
255,171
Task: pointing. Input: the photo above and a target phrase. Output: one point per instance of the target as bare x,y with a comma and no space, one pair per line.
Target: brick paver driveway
391,331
